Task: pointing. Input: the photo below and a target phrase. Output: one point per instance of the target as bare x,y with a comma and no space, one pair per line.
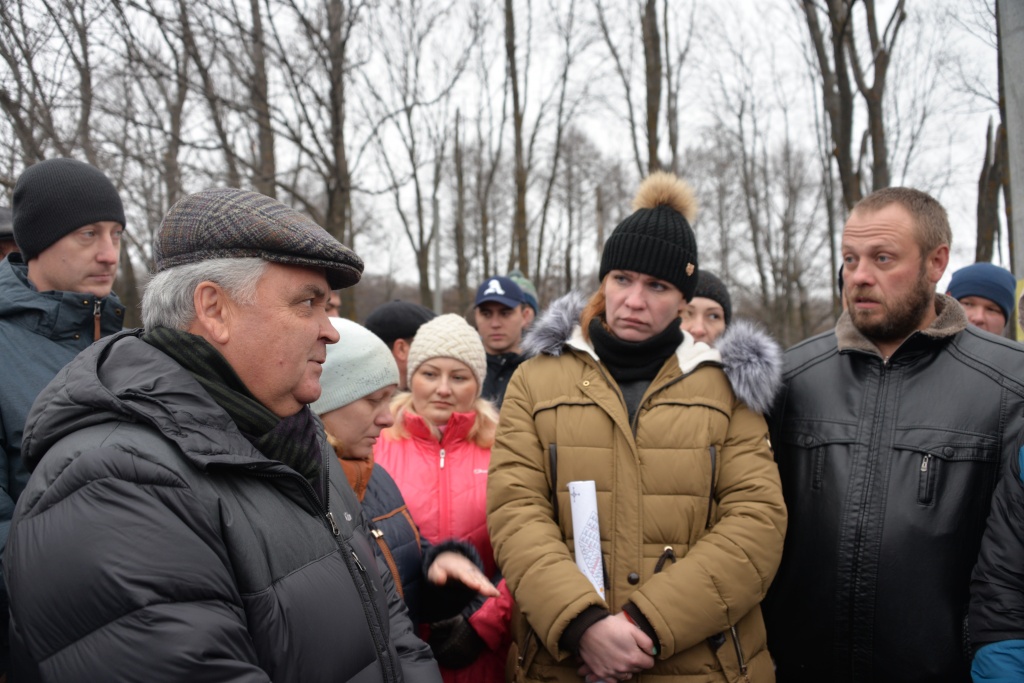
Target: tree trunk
519,236
652,62
264,179
461,260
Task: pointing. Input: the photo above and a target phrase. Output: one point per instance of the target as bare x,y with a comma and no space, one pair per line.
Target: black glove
455,643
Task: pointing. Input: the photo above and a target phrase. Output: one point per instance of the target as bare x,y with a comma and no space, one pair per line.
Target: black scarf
292,441
629,361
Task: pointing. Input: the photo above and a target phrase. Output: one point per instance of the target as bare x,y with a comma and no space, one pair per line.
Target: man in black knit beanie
55,300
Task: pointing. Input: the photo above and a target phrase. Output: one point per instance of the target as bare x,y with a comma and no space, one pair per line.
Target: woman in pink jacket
438,452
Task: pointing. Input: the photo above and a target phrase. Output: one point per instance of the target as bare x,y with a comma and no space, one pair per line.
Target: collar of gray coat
751,359
951,320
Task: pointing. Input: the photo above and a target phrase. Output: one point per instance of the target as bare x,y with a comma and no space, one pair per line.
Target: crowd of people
626,484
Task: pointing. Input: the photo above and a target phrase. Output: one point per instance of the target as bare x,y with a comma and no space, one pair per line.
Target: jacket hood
751,359
122,378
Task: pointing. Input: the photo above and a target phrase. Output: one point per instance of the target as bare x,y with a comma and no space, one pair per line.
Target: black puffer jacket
153,542
888,469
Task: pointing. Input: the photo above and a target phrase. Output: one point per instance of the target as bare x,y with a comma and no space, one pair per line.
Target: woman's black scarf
629,361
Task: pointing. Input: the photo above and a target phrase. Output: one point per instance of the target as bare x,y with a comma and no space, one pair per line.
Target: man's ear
936,263
213,313
401,349
528,314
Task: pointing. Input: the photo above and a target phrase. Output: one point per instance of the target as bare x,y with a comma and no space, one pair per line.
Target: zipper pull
924,462
334,525
362,569
358,563
442,458
96,320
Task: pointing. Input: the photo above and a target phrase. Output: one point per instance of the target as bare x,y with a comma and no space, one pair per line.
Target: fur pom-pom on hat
656,239
448,336
664,189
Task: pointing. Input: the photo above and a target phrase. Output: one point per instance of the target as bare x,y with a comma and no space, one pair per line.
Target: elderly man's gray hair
168,300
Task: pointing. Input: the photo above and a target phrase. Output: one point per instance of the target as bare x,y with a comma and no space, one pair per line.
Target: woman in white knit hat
359,378
438,452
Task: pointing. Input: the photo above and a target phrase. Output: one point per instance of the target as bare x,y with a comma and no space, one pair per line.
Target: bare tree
842,68
412,108
316,66
663,63
520,239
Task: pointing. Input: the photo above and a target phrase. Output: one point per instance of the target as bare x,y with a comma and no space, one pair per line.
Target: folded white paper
587,532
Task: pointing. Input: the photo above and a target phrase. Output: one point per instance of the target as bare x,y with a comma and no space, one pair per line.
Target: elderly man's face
278,345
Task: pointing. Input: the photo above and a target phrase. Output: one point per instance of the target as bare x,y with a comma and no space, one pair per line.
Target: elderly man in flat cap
184,519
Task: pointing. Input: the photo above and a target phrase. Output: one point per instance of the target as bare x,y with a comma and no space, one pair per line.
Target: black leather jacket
888,469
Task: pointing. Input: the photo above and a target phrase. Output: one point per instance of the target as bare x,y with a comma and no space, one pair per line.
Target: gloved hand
455,643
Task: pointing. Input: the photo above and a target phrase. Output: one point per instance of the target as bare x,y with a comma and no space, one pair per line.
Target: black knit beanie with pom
656,239
58,196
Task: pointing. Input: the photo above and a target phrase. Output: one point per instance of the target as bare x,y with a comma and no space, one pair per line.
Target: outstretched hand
614,649
448,566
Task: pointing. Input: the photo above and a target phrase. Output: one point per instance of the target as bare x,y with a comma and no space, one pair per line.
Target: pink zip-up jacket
445,488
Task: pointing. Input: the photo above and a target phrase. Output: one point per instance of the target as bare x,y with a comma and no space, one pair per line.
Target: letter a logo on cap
493,287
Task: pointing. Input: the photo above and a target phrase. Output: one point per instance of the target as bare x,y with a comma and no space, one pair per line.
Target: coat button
586,382
633,578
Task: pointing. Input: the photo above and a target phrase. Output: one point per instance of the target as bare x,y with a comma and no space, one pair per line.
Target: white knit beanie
358,365
449,336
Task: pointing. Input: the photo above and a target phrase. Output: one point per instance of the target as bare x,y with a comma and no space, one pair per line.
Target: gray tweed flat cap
233,223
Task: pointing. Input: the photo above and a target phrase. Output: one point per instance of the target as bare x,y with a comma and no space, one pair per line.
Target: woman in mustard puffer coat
690,506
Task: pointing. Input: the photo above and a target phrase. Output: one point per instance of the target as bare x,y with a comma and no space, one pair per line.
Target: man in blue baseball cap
499,311
986,292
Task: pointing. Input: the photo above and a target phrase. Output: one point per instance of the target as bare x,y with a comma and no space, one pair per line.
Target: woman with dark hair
690,510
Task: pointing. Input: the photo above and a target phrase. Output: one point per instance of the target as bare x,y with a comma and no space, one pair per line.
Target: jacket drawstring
96,320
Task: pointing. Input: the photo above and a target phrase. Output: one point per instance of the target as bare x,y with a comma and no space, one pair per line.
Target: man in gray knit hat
184,520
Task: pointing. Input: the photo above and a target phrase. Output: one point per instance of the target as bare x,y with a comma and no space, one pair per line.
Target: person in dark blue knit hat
986,292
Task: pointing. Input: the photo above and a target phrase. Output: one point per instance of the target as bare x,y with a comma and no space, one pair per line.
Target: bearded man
890,434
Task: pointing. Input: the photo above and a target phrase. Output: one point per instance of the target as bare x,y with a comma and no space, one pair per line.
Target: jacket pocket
811,450
949,466
729,654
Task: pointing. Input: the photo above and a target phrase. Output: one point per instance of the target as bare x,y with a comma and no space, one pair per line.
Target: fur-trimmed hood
751,359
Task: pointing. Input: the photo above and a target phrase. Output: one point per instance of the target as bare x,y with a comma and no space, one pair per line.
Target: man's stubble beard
901,317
